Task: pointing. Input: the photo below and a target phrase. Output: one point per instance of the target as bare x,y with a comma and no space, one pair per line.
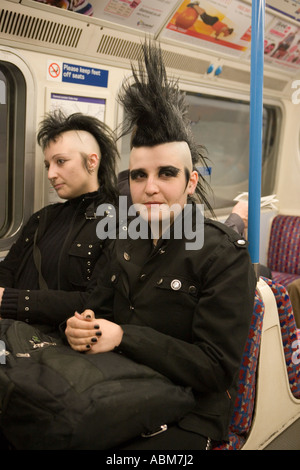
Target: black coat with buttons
76,256
185,313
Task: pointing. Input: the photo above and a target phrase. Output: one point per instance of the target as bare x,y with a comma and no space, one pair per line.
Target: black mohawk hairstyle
156,111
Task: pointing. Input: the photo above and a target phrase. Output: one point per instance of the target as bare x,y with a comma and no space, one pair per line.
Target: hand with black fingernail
80,330
85,333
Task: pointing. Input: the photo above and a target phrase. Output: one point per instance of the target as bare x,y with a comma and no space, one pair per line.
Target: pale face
158,177
66,168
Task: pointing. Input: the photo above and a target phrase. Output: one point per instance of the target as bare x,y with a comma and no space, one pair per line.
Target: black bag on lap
54,398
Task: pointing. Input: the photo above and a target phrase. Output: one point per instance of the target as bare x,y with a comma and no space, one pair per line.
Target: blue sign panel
83,75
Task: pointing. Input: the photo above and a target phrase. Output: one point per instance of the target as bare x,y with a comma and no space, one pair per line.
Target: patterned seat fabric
283,278
242,416
290,335
284,249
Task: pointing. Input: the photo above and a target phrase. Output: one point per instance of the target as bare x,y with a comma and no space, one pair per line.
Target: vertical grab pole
256,116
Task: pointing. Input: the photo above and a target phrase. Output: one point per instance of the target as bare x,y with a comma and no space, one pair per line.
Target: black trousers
174,438
209,20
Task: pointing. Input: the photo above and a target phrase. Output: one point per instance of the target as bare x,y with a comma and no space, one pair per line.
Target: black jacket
185,313
79,252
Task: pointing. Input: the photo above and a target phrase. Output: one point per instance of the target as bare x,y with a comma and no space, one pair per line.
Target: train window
16,180
3,152
222,127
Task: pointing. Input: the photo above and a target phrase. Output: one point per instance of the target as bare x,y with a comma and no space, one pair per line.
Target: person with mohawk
182,309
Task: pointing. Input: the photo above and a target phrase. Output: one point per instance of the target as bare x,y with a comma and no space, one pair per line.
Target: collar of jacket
194,224
89,202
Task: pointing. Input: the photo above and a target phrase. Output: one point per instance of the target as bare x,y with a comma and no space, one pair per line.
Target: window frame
21,147
278,116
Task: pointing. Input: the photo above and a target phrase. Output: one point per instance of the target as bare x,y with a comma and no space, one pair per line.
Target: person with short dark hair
45,275
177,306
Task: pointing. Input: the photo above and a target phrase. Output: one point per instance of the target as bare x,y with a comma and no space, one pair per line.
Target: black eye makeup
136,174
168,171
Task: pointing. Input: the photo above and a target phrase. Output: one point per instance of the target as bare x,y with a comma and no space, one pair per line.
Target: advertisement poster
145,15
282,45
216,23
79,6
289,8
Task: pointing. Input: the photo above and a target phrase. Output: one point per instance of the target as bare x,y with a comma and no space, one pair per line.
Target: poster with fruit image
216,24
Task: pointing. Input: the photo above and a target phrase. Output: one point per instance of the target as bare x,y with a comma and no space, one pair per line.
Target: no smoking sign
54,70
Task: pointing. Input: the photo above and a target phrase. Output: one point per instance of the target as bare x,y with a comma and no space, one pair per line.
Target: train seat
284,249
276,415
244,404
249,416
290,334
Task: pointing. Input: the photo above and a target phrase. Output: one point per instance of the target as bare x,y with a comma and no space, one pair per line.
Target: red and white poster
282,45
216,24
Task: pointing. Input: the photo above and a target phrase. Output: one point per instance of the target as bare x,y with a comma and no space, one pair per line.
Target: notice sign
54,70
79,74
84,75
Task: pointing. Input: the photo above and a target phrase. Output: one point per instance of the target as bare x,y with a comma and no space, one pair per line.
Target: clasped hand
85,333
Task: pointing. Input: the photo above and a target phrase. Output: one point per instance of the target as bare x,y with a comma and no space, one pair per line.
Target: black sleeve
50,306
11,263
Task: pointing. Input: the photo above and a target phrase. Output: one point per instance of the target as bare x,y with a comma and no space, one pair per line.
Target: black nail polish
94,340
96,327
98,333
87,346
